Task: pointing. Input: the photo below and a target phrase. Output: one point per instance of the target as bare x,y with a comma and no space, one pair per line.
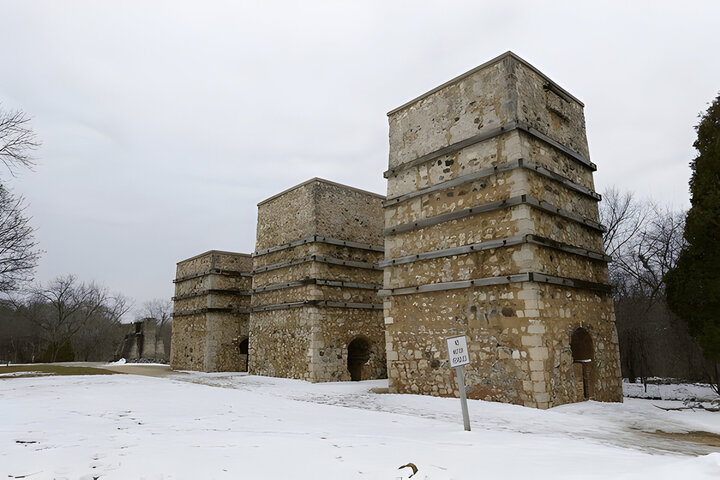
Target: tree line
645,241
665,272
68,320
64,319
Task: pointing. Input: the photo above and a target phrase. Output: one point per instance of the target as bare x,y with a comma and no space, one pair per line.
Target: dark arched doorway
243,346
582,353
358,356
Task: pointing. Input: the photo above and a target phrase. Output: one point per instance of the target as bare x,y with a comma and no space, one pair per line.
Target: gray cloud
164,123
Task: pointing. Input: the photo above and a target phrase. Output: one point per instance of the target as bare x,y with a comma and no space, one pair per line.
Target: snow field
206,426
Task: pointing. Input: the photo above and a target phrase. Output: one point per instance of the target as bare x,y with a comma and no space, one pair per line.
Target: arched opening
358,357
582,353
243,346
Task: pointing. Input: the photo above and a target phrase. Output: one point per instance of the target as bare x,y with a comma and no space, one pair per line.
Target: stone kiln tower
315,311
210,314
491,230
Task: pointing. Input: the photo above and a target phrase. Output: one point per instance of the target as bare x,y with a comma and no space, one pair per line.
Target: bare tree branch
18,250
17,140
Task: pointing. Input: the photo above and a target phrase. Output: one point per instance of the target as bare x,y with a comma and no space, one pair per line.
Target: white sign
458,351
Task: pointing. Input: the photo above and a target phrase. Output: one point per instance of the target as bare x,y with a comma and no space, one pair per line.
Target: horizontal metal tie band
318,303
488,281
542,170
234,310
509,127
316,281
441,286
280,306
365,306
449,216
488,207
451,148
483,173
550,208
570,282
490,244
319,259
490,171
319,239
559,146
214,271
449,252
566,247
212,292
340,283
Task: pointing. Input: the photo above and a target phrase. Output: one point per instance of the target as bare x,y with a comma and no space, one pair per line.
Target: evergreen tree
693,287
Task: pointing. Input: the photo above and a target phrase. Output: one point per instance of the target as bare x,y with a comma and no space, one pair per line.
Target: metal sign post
458,355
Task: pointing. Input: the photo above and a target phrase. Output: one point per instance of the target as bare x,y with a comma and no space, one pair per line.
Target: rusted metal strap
320,239
509,127
316,281
490,171
318,303
492,206
202,293
214,271
499,243
319,259
488,281
198,311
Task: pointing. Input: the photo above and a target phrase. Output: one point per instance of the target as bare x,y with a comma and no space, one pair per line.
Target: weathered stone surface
498,224
494,263
494,152
319,207
516,333
499,93
527,340
210,319
317,342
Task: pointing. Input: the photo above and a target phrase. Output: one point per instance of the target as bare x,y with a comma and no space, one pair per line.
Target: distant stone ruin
490,229
143,343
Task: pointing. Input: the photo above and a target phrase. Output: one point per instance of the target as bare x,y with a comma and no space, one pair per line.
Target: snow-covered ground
234,426
700,392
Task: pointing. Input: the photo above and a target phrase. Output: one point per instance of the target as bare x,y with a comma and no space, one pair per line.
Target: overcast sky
163,124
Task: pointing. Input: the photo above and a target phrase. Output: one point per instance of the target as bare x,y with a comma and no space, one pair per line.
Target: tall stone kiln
315,311
491,230
210,312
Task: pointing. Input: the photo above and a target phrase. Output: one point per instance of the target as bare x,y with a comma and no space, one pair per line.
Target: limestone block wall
210,312
491,230
315,311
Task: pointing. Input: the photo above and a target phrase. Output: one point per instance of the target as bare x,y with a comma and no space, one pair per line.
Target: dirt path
147,370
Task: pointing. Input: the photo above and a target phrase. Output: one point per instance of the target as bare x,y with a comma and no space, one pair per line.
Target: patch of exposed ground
705,438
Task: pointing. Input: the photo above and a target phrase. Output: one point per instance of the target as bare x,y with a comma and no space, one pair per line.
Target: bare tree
644,241
18,250
623,216
651,252
98,339
64,306
17,140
